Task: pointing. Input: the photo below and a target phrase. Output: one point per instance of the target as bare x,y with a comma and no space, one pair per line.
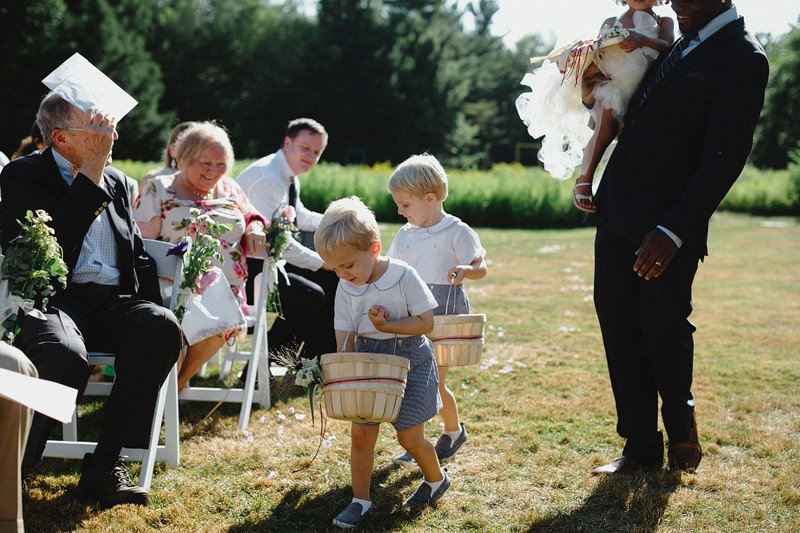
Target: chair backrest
170,266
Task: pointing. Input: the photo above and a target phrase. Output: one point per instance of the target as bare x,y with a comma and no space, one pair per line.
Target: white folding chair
166,404
258,369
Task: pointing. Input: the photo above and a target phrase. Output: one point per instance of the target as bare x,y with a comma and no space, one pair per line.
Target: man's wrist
677,240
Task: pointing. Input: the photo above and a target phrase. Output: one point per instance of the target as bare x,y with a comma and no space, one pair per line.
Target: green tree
28,56
248,65
778,132
43,33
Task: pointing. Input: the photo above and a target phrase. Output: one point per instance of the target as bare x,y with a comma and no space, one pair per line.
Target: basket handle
449,292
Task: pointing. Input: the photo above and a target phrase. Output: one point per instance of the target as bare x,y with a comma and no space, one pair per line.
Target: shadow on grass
297,512
200,419
618,503
50,502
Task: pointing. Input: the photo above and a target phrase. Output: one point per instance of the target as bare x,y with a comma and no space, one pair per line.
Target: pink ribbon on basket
575,63
457,338
362,379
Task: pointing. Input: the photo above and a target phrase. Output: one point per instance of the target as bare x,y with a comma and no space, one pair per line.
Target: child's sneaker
445,448
405,460
423,496
351,516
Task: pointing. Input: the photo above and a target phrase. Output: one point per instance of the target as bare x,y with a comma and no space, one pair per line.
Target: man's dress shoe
685,456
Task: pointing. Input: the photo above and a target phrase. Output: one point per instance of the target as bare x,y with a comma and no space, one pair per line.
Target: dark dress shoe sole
133,498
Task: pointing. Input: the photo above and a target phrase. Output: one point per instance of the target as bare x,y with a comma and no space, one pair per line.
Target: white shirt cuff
677,240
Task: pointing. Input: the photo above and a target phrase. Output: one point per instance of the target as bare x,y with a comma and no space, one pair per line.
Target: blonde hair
347,221
197,138
419,175
173,138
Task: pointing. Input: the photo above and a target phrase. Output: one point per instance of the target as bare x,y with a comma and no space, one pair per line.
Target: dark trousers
648,343
145,338
307,303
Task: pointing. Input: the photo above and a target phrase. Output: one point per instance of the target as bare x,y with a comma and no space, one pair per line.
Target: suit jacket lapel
61,185
699,54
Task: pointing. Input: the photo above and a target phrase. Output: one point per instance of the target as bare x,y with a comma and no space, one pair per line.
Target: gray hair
54,113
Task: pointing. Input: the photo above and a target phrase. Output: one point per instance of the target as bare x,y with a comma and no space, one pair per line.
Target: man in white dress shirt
307,302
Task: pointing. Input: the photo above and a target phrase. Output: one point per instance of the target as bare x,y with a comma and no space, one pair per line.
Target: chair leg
249,386
227,361
149,455
70,429
172,451
261,348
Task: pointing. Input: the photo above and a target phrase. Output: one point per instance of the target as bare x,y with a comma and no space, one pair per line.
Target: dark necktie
666,66
293,194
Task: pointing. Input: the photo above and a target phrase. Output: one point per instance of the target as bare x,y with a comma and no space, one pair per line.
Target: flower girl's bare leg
606,127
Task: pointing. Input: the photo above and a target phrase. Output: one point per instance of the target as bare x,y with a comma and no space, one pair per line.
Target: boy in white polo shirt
444,251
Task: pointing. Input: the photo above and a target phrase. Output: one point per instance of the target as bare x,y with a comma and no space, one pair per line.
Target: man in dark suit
687,135
111,302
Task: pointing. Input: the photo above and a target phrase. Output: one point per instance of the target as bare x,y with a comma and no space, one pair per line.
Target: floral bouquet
32,260
197,270
307,374
280,230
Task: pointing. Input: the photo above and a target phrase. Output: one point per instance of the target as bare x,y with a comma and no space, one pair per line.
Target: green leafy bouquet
280,230
307,374
32,261
198,258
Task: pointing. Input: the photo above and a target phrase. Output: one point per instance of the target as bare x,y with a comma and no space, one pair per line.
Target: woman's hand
255,240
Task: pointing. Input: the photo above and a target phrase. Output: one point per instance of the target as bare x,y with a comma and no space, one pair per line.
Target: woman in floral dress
204,156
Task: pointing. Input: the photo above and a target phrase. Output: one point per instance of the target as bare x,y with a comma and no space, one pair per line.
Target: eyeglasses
69,129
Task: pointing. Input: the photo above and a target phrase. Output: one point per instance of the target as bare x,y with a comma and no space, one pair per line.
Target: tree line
387,77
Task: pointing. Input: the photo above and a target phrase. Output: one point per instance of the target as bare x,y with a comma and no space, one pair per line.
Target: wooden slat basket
458,339
363,387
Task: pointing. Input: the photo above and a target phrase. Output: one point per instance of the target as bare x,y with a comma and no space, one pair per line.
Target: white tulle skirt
553,108
626,71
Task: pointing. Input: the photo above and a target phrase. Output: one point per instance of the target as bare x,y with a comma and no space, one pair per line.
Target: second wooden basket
458,339
363,387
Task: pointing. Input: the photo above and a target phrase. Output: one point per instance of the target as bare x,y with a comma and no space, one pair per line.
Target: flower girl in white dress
605,77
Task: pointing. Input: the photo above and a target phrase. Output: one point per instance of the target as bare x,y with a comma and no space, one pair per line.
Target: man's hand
99,134
591,77
654,255
379,317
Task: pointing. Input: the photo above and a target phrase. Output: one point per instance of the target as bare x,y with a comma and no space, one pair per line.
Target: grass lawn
538,409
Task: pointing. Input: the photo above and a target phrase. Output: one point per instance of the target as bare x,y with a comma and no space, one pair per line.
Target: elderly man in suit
686,138
111,302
